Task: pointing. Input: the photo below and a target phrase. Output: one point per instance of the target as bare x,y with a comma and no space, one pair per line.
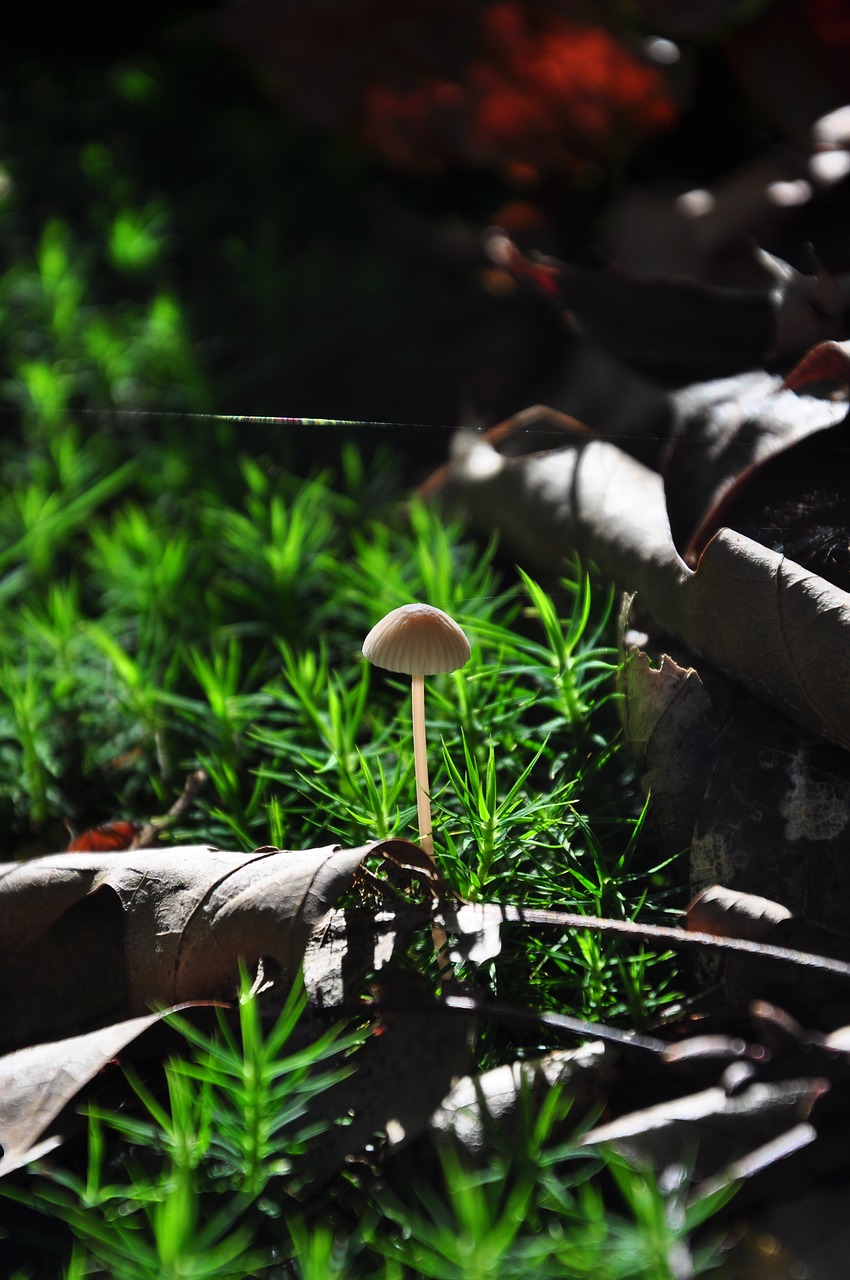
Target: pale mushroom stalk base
423,801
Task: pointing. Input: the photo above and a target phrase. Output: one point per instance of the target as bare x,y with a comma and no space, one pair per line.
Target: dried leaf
723,433
93,937
400,1075
826,366
781,631
122,834
497,1097
345,946
762,806
38,1082
818,999
671,730
480,932
730,914
669,1109
679,329
711,1125
108,837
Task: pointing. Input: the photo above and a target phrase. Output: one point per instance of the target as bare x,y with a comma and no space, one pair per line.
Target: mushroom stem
420,765
420,641
423,804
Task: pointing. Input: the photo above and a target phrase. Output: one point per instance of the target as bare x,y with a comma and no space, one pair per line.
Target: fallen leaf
762,806
476,1104
90,938
819,999
711,1127
723,434
347,945
730,914
768,623
714,1104
399,1076
38,1082
108,837
679,329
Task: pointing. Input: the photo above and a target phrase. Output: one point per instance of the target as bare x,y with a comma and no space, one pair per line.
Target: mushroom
419,641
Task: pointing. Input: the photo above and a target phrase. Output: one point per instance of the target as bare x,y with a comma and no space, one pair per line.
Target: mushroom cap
418,640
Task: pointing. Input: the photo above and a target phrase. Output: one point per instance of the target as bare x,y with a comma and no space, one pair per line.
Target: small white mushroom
419,641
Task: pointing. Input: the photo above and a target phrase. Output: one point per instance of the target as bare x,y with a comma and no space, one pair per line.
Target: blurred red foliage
532,97
109,837
520,87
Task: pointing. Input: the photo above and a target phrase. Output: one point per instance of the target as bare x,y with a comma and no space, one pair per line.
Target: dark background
324,170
